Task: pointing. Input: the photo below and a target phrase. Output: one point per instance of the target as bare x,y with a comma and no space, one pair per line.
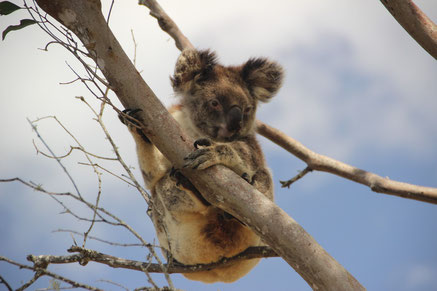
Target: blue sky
357,88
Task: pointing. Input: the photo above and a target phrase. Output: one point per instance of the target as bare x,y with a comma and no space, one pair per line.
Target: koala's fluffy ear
193,66
263,78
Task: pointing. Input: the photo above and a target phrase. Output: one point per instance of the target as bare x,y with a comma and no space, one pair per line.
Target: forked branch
323,163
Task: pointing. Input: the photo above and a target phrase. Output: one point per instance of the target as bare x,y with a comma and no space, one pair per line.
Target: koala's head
222,101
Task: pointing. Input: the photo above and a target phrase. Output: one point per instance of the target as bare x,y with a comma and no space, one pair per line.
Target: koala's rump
197,234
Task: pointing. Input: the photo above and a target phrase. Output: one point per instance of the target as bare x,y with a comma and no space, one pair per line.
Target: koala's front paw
129,118
201,158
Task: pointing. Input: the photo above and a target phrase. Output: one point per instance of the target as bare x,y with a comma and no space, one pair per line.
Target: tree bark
219,185
415,22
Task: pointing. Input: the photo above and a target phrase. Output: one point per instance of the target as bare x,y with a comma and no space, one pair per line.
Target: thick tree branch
415,22
221,186
323,163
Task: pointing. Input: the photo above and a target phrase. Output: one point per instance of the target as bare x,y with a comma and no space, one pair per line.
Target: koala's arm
152,162
244,157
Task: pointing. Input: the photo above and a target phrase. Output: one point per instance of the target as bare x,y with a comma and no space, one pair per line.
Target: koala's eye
215,104
248,109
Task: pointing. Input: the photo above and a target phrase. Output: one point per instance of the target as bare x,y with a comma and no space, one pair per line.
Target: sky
357,88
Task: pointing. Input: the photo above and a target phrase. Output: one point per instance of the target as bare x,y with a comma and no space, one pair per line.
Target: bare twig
144,194
26,285
4,282
295,178
135,47
415,22
99,239
115,284
41,270
32,124
98,174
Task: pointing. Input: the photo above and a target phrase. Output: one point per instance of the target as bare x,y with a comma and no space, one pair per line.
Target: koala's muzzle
234,119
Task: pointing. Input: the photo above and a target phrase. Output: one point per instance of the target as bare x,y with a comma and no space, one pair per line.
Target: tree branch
167,24
415,22
84,256
323,163
219,184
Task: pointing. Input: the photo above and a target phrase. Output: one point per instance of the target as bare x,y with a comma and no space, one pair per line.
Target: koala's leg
152,163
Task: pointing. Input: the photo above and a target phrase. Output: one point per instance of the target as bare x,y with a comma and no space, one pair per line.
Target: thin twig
41,270
26,285
109,13
4,282
295,178
53,155
116,284
144,194
98,174
107,171
99,239
134,61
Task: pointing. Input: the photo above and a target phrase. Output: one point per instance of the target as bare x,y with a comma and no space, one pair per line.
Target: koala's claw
248,179
177,176
130,113
197,158
132,119
202,142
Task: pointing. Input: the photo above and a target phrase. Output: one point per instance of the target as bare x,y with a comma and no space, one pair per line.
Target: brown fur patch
223,232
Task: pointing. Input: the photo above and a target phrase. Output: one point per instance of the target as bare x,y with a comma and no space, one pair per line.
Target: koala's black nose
234,118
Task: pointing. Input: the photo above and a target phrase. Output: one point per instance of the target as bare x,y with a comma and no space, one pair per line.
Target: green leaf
7,7
23,23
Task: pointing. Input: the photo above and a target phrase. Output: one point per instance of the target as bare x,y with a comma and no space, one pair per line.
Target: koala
217,109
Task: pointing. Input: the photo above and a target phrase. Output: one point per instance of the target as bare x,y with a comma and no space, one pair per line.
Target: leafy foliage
7,7
23,23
